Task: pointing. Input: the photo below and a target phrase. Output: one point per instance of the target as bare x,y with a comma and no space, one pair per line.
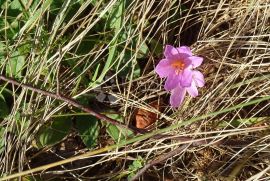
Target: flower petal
186,78
169,52
198,78
163,68
185,50
171,82
192,90
173,53
187,62
177,96
196,61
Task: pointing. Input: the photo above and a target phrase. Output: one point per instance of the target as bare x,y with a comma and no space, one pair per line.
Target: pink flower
179,92
177,66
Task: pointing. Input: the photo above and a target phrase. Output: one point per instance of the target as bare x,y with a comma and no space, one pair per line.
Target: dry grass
233,38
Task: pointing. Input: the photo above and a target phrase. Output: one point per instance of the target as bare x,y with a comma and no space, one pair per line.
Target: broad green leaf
55,132
17,4
15,65
116,15
117,133
143,51
88,129
135,166
113,131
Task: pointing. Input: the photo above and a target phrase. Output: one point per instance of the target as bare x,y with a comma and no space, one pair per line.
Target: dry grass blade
69,44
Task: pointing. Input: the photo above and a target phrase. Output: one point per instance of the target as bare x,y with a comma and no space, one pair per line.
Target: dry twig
73,103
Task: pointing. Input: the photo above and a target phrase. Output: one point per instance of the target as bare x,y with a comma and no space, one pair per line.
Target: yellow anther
178,65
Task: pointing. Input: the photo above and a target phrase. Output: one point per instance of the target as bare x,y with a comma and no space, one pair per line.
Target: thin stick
74,103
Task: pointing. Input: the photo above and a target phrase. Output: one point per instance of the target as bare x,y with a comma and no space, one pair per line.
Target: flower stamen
178,66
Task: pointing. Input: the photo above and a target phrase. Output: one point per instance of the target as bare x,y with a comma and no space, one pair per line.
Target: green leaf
22,125
115,21
55,132
135,166
113,131
35,16
2,137
130,56
156,47
15,65
117,133
9,28
128,65
116,15
88,129
2,48
16,4
240,122
143,51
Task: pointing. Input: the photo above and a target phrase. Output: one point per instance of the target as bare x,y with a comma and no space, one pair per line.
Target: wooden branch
74,103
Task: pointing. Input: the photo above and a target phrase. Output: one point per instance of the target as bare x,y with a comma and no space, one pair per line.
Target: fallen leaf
145,118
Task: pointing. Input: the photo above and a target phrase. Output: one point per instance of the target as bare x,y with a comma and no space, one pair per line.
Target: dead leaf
145,118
